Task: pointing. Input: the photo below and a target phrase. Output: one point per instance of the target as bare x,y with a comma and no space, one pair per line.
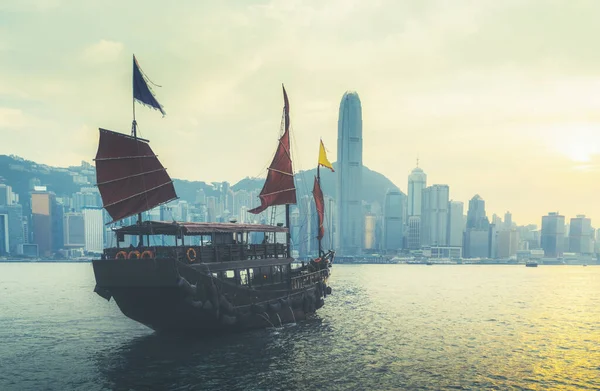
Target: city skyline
516,122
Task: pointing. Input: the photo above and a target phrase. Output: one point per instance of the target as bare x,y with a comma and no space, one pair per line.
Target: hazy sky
499,98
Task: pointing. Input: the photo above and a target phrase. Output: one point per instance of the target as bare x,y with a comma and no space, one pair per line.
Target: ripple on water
385,327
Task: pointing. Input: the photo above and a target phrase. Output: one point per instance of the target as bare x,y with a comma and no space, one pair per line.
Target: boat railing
204,254
303,280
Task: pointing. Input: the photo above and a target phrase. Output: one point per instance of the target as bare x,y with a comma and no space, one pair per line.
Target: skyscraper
434,215
477,235
476,217
414,233
94,238
455,223
581,235
417,181
350,223
74,227
4,238
42,208
553,235
370,232
16,230
508,221
393,223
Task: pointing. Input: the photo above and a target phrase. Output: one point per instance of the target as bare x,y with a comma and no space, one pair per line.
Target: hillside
374,185
21,174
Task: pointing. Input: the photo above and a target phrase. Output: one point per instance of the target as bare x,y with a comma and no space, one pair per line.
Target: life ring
191,254
135,254
121,255
147,255
318,260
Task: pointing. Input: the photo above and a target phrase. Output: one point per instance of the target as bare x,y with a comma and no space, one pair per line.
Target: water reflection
248,360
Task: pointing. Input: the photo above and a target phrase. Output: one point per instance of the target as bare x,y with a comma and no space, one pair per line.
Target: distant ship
531,264
217,277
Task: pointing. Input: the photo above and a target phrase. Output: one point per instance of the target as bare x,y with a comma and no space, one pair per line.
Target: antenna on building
417,160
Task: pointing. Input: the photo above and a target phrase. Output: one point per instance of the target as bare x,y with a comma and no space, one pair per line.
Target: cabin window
285,273
251,276
229,274
243,277
215,275
276,274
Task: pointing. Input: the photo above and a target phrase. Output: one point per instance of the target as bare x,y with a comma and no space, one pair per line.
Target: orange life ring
318,260
135,254
121,255
147,254
191,254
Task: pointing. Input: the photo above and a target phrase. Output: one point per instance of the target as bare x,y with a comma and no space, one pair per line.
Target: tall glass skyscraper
417,181
350,224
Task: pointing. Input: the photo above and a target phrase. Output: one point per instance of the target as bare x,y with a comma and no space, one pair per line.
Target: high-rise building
350,222
94,230
417,181
553,235
476,217
16,230
305,221
42,208
393,220
414,233
74,228
477,243
370,232
581,235
478,237
4,237
455,224
497,221
58,211
211,209
507,243
508,221
88,197
434,215
6,194
328,224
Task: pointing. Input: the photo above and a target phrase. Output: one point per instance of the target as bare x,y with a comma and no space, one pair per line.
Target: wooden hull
170,296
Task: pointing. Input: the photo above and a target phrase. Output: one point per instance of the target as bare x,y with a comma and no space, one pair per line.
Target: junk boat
217,277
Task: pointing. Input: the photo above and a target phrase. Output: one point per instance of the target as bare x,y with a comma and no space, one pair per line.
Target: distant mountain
21,174
374,184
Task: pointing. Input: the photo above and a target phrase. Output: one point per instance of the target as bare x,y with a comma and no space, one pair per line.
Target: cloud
102,52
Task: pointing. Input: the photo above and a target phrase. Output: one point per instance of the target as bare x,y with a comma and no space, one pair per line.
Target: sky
496,98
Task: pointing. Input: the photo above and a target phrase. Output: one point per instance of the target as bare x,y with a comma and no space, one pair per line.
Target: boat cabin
199,242
242,254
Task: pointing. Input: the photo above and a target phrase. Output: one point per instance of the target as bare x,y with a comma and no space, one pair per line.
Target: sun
579,142
579,151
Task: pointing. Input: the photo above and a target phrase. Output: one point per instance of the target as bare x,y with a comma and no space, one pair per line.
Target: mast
318,195
319,222
288,235
129,176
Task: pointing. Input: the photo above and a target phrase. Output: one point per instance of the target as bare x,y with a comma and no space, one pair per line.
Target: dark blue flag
141,91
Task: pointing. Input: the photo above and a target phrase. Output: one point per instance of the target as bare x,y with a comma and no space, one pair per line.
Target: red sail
130,177
279,188
320,206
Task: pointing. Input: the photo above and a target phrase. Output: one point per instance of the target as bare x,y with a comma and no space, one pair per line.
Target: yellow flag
323,161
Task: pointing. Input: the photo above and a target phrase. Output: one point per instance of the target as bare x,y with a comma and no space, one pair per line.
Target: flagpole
134,134
133,124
